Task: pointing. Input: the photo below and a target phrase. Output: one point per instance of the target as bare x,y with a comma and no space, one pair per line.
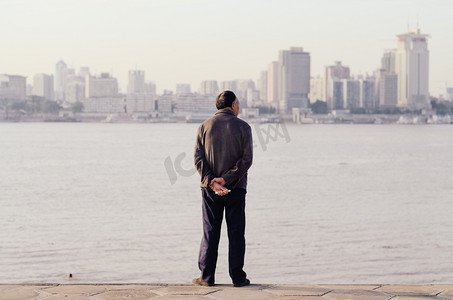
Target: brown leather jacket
224,148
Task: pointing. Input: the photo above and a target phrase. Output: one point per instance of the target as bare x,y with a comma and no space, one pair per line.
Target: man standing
223,155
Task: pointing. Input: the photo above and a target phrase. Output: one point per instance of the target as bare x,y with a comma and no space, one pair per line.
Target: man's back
225,142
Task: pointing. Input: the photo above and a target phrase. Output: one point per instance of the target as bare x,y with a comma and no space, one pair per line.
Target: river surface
120,203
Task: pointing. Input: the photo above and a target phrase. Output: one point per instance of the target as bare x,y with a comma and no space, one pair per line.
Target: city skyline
191,41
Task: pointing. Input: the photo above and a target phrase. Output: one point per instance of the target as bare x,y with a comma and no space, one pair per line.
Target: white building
102,86
136,83
209,87
317,91
334,72
13,87
43,86
140,102
75,88
412,68
106,104
294,68
228,86
182,88
194,103
273,82
150,88
262,86
60,80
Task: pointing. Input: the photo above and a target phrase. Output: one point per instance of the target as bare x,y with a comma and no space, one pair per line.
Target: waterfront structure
262,86
194,103
43,86
367,93
351,93
13,87
333,75
140,102
106,104
294,75
386,89
60,80
136,83
209,87
412,68
317,89
273,82
102,86
182,88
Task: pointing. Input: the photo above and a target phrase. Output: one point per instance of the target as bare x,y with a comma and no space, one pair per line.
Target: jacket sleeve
241,167
200,161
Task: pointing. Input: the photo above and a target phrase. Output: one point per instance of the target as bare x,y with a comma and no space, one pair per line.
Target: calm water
335,204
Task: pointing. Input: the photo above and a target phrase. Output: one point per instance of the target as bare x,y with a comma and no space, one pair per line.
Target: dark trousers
213,206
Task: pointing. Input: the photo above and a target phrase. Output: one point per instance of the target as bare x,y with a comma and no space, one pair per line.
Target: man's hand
219,180
219,189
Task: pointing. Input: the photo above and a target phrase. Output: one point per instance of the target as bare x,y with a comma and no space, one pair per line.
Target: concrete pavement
227,292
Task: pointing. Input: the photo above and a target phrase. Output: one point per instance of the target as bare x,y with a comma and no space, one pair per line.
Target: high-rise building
367,93
136,82
228,86
209,87
60,80
412,68
351,93
262,86
317,89
182,88
273,82
43,86
386,89
150,88
294,66
388,60
335,94
13,87
101,86
335,72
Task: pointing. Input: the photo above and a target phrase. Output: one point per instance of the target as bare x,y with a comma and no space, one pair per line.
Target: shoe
199,281
245,283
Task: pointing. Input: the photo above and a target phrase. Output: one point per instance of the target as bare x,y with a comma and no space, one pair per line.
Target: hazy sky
186,41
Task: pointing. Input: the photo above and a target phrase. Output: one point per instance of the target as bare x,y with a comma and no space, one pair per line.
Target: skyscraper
209,87
294,67
43,86
60,80
333,85
262,86
136,82
412,68
273,84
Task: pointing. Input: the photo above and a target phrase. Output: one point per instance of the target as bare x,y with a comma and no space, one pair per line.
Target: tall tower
136,82
273,82
412,67
60,80
294,67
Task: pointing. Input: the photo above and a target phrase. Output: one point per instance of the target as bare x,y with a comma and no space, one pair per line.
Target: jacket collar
225,111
